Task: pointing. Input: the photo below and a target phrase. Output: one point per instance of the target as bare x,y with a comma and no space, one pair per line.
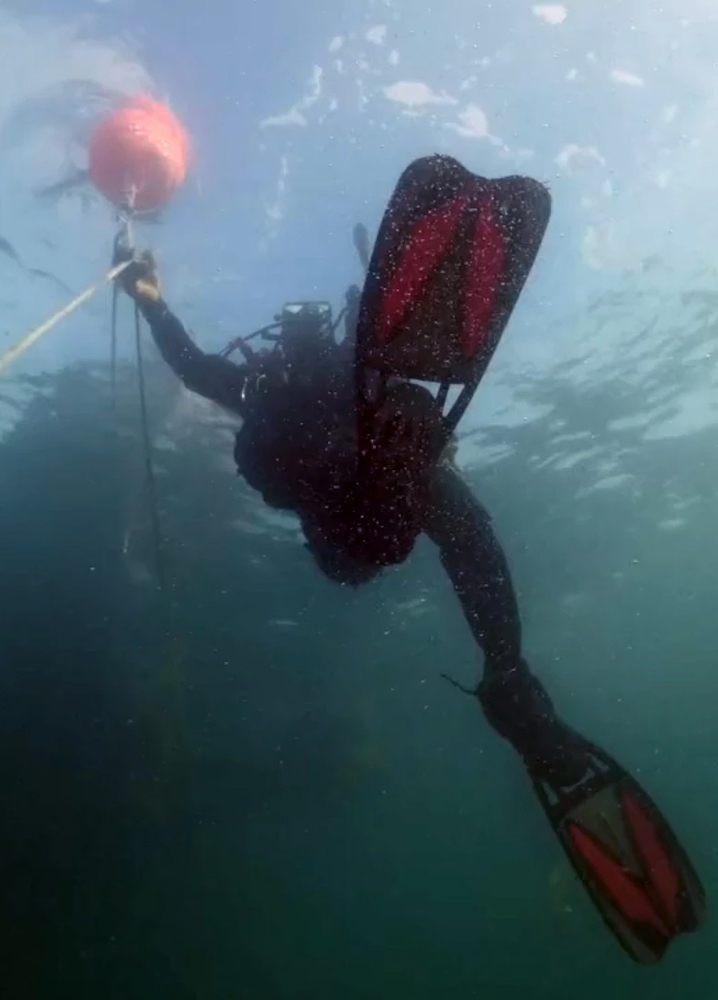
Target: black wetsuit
292,448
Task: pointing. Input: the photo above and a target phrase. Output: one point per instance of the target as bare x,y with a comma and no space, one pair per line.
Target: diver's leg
630,860
476,565
513,699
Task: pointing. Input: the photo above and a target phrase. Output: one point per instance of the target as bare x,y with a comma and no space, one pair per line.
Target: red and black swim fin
630,860
451,257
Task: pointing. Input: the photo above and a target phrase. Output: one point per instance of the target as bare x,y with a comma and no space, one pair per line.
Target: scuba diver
341,434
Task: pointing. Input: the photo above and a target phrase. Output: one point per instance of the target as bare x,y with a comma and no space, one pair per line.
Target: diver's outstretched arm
477,567
209,375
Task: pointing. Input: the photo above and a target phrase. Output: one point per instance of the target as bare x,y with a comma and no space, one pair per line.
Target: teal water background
259,786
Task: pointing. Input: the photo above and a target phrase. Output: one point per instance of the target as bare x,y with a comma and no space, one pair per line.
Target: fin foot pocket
518,707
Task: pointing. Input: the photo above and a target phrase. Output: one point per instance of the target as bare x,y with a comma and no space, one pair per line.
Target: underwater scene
358,413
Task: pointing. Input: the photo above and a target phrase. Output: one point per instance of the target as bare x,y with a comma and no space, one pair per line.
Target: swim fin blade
451,257
628,857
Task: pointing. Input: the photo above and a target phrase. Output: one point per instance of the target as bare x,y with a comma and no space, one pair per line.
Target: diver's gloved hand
140,279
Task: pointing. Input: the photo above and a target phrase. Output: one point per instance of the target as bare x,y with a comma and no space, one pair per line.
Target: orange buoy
139,154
